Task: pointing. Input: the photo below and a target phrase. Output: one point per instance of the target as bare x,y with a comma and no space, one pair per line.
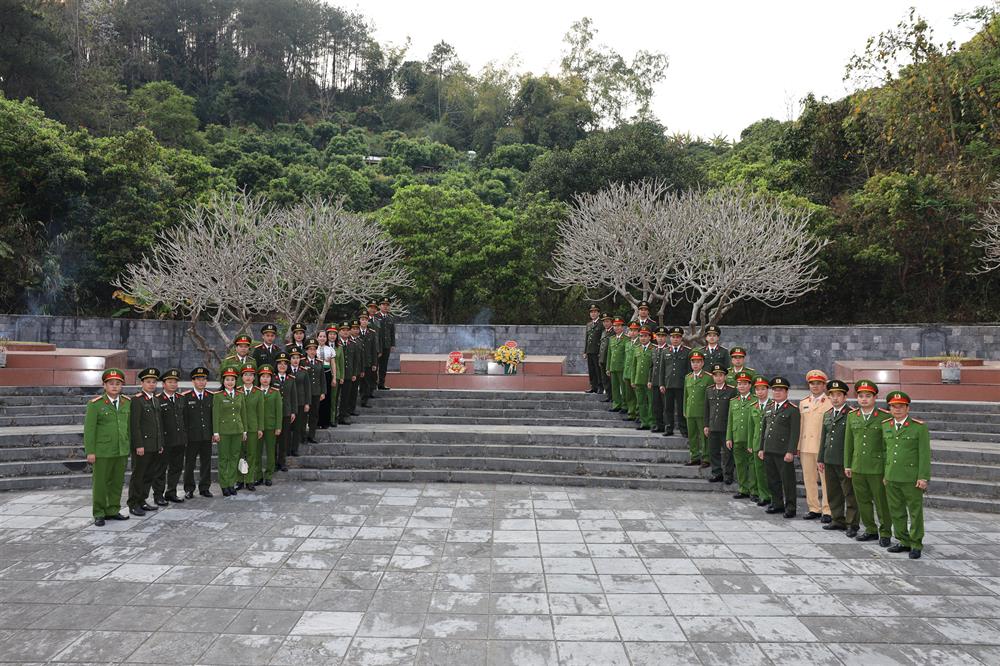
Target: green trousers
229,458
631,404
760,478
697,444
906,506
269,450
108,479
870,494
644,400
840,495
334,403
254,448
617,390
745,477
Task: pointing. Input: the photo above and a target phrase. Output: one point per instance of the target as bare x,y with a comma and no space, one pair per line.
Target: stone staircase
490,437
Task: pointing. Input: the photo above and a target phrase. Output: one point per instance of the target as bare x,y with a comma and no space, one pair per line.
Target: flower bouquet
456,363
509,355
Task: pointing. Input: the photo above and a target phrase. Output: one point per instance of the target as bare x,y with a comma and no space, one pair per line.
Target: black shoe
283,468
232,491
852,532
239,485
206,493
591,391
137,511
789,514
655,429
898,548
693,463
293,454
740,496
189,494
333,425
614,409
147,508
345,422
884,542
915,554
251,487
834,526
606,400
355,414
812,515
225,492
728,482
715,479
642,427
867,536
668,433
312,441
826,519
117,516
383,388
267,482
366,405
175,499
763,502
684,434
259,482
160,501
99,522
705,463
774,509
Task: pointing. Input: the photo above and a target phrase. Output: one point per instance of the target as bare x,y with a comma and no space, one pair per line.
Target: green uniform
641,377
106,436
317,388
694,413
780,435
370,351
864,455
907,459
739,428
271,414
287,386
229,423
387,340
593,334
716,418
732,372
303,397
616,363
254,404
656,397
238,363
760,474
627,371
839,489
602,361
335,386
146,433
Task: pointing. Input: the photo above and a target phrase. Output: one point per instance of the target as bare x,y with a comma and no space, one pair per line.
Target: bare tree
207,268
711,249
988,227
237,258
621,240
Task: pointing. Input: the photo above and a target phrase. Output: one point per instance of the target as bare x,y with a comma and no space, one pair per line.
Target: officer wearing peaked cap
286,384
674,367
171,464
241,355
198,423
146,439
659,344
840,492
267,351
713,351
106,444
592,335
607,333
387,340
643,318
907,473
778,437
298,341
864,463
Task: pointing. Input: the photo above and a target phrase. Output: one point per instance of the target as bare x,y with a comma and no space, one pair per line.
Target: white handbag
243,467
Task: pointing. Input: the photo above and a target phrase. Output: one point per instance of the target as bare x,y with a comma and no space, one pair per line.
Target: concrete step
68,480
39,420
6,391
965,436
36,453
43,467
958,487
610,423
962,503
377,451
7,402
47,409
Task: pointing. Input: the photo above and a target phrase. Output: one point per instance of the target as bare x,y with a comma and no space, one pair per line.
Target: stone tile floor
323,573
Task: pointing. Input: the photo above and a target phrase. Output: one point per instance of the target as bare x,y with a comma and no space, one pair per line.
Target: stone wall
789,350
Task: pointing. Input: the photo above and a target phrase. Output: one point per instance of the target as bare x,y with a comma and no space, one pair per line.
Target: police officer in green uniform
907,473
146,439
358,351
369,346
267,351
241,356
286,384
106,443
717,397
737,361
229,429
738,430
628,386
377,343
761,388
864,463
317,389
303,400
641,379
172,410
714,353
839,490
607,333
198,422
387,339
696,383
674,367
253,401
616,366
779,436
349,359
272,414
656,396
591,348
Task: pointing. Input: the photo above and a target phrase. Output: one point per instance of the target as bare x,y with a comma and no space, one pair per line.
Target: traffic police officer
106,444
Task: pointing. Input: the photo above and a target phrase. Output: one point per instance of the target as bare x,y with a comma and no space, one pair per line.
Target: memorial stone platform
922,381
40,364
536,373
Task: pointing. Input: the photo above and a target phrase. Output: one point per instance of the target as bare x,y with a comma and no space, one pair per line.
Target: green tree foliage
167,112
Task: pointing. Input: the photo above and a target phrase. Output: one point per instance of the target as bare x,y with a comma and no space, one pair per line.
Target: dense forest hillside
116,114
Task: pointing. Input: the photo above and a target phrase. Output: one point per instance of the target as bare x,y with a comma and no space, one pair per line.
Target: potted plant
951,368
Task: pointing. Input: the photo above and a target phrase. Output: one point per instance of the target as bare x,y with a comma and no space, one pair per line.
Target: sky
732,62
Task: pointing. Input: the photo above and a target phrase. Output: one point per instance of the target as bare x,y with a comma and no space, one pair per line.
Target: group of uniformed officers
860,465
272,397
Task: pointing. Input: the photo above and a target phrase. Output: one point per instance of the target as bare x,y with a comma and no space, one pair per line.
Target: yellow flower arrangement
509,356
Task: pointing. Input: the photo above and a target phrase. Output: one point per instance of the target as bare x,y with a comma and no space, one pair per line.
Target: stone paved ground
460,574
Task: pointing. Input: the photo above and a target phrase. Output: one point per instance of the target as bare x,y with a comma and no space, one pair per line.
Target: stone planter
951,375
481,366
3,358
